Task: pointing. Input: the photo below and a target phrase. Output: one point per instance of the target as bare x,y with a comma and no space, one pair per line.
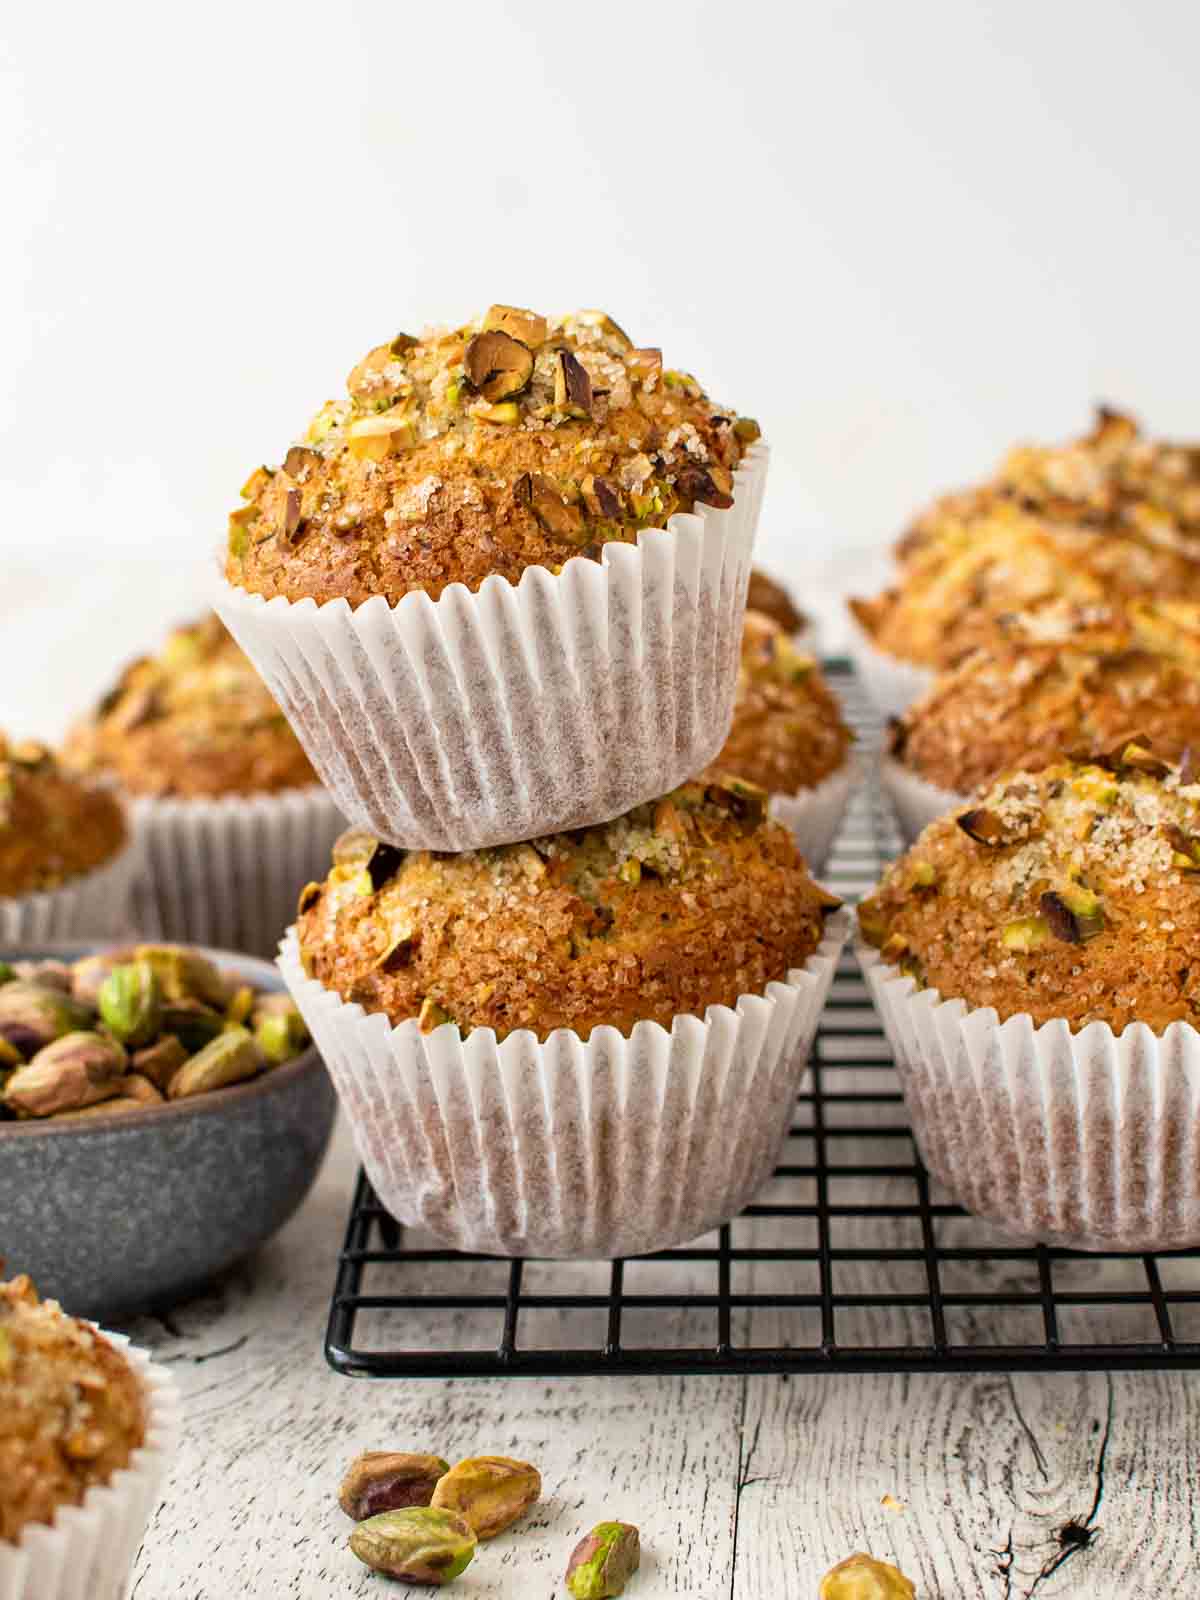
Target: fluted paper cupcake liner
915,800
524,709
88,1551
891,684
609,1146
227,873
814,815
1088,1140
96,903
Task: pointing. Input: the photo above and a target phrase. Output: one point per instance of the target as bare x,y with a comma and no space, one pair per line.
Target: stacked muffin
566,989
1031,954
228,812
1109,518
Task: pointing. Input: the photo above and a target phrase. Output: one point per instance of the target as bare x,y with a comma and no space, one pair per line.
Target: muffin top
514,441
957,591
1072,892
787,731
685,902
1113,515
54,826
71,1409
772,599
194,721
1067,680
1113,477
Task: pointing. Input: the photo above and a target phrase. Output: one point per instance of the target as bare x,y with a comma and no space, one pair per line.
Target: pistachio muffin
229,815
515,440
1031,958
1113,477
1072,892
54,827
681,904
788,732
72,1410
1065,680
585,1045
1109,518
194,721
771,599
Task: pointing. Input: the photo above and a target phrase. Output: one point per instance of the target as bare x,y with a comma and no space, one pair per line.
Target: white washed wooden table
744,1488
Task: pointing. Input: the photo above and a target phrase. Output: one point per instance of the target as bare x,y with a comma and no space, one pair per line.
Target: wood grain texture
745,1489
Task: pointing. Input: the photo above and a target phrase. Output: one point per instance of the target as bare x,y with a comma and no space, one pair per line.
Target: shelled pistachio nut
32,1017
134,1093
491,1492
75,1070
389,1480
230,1058
279,1028
420,1544
192,1022
88,974
185,974
603,1561
159,1062
861,1577
130,1003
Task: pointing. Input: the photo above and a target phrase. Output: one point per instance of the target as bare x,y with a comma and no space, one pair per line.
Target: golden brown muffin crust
1111,516
770,598
71,1409
958,591
53,825
1068,681
686,902
1073,892
787,733
195,721
514,441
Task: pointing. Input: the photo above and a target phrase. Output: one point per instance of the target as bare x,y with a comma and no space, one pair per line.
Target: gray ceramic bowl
131,1212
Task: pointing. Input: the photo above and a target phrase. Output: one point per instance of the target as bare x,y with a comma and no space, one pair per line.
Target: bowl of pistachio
162,1114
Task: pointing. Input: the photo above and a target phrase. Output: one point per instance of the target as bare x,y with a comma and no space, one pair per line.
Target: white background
901,235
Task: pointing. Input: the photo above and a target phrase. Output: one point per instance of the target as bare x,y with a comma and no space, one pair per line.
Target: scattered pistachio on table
389,1480
419,1544
603,1561
861,1577
129,1027
491,1492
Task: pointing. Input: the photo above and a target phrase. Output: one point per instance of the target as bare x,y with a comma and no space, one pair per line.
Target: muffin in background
1031,957
1065,680
65,856
193,722
1109,518
789,737
769,597
229,815
584,1045
87,1424
541,534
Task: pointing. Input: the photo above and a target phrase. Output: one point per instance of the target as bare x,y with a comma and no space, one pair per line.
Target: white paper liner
891,684
227,873
94,904
88,1552
611,1146
523,709
1088,1140
915,800
814,815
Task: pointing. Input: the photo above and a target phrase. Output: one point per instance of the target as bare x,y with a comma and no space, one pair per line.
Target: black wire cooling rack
850,1260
